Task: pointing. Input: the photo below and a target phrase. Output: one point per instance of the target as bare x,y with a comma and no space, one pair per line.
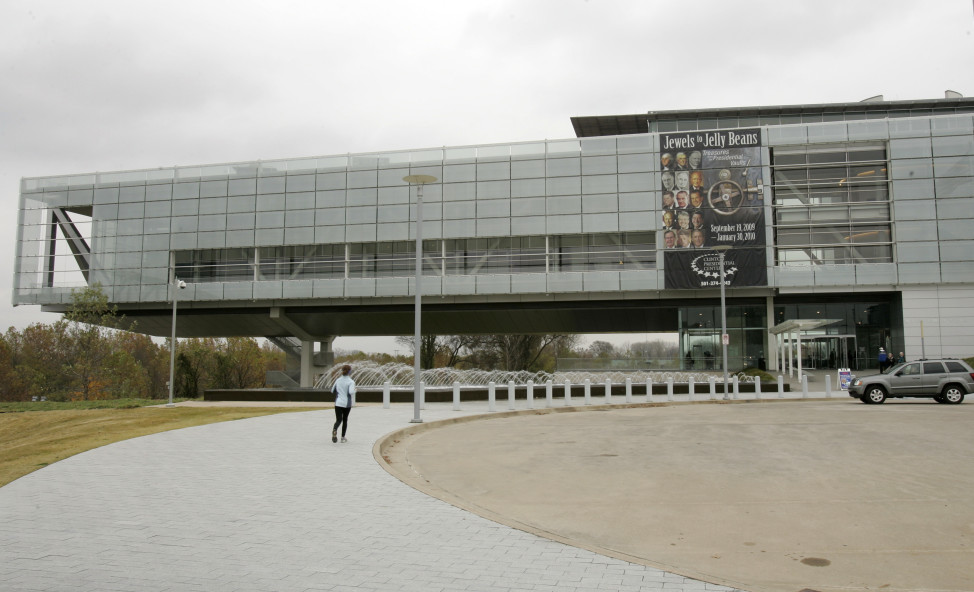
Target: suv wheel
952,394
875,394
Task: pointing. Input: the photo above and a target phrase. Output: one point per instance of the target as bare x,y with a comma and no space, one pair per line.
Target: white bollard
713,388
529,395
608,391
549,393
568,393
737,388
510,394
828,386
629,390
669,389
649,390
757,387
690,387
386,396
781,386
804,386
456,395
588,391
490,396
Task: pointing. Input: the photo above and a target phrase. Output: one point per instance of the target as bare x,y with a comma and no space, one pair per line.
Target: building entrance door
828,351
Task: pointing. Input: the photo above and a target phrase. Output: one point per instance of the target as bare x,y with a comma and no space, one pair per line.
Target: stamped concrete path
271,504
773,495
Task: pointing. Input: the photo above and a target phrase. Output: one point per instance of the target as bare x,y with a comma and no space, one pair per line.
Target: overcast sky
99,85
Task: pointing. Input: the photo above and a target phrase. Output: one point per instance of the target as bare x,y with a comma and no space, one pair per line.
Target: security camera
180,284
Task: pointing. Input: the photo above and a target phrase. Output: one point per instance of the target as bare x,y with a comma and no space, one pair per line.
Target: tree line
93,352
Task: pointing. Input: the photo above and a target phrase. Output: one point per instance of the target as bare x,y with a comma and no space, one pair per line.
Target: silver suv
946,380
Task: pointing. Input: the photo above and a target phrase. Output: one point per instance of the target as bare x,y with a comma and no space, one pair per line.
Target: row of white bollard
549,392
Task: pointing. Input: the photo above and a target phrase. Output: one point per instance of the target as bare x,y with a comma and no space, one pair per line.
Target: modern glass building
843,227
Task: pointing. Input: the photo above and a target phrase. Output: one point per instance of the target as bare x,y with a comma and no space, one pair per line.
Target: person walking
344,391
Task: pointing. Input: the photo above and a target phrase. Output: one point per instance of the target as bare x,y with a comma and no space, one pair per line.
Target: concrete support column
307,364
771,342
326,356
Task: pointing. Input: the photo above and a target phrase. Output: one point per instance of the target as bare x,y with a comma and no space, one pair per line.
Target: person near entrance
883,360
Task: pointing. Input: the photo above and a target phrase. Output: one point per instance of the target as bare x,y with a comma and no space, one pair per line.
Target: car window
933,368
910,369
955,367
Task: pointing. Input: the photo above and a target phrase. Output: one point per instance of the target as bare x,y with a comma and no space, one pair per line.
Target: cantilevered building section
855,213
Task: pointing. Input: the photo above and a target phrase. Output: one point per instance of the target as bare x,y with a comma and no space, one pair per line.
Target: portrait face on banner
720,177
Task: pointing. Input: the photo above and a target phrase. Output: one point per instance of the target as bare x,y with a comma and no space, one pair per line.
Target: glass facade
472,256
831,204
873,198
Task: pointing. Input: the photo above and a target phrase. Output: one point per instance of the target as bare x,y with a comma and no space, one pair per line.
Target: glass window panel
862,234
953,145
299,201
909,148
270,219
242,203
790,176
488,171
459,172
362,179
240,221
493,152
213,205
791,236
867,173
954,166
525,169
827,174
131,210
459,191
156,225
213,188
185,207
493,189
158,209
560,167
241,186
270,185
296,183
873,213
533,150
598,165
563,186
913,169
213,222
184,224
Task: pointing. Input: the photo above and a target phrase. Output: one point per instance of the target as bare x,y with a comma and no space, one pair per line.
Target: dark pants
341,419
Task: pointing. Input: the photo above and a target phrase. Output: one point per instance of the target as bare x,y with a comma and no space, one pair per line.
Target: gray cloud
115,84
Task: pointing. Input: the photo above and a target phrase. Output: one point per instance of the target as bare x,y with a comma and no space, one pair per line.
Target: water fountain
368,374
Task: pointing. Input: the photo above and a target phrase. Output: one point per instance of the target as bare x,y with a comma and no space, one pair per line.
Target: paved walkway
271,504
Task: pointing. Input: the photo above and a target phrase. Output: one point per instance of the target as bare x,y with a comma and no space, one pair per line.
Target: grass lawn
30,440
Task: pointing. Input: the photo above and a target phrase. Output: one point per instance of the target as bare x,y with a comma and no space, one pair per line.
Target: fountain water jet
368,374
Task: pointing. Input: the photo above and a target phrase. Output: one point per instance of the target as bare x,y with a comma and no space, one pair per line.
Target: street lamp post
177,286
721,250
418,181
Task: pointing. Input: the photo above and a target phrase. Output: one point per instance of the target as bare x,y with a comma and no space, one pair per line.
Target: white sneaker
344,440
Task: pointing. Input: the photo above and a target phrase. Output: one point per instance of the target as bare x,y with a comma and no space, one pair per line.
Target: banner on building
712,195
